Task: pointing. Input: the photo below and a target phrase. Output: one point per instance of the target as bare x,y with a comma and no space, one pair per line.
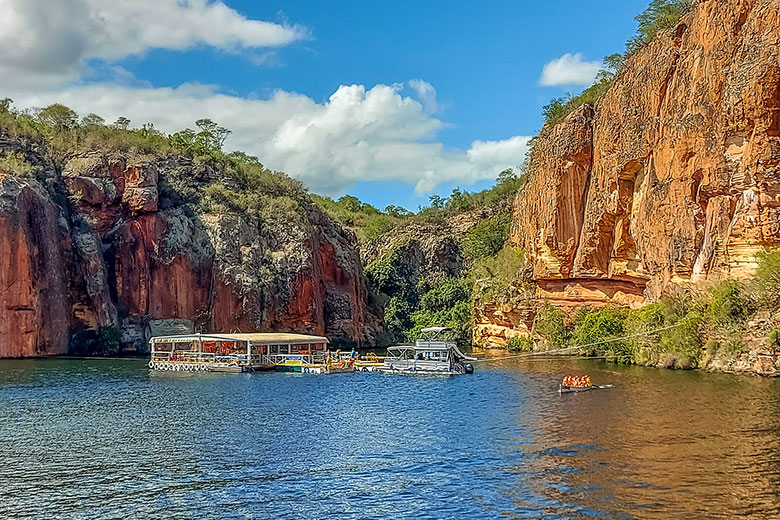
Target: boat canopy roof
434,329
431,346
256,338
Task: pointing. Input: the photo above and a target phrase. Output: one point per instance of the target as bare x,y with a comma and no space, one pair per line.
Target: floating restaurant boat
247,352
428,355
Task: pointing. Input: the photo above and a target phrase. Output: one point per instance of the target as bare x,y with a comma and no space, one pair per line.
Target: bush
444,302
660,15
773,338
681,345
398,316
15,163
766,281
497,274
594,327
728,305
520,344
487,238
550,325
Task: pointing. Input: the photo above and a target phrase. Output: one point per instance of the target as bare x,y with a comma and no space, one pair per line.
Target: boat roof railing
432,346
256,338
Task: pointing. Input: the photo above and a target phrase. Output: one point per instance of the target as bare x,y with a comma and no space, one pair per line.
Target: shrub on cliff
367,221
496,275
660,15
729,305
15,163
487,238
766,282
596,329
550,324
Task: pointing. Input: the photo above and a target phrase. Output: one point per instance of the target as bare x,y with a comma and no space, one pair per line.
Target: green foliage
773,338
556,110
593,328
439,302
660,15
766,282
444,302
550,324
520,344
681,345
398,316
728,305
498,273
367,221
58,117
15,163
107,341
487,238
387,275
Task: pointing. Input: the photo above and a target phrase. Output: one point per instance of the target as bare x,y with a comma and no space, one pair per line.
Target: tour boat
248,352
429,355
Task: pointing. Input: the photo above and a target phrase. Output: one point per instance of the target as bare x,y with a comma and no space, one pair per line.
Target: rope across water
576,347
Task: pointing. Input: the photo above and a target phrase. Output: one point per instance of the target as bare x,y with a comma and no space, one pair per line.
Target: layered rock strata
673,178
107,243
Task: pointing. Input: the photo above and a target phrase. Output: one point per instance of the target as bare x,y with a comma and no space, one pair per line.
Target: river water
110,439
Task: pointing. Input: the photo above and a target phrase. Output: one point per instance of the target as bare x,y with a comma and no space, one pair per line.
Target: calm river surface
109,439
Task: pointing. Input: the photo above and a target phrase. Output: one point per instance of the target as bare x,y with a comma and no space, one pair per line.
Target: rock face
34,309
673,177
109,244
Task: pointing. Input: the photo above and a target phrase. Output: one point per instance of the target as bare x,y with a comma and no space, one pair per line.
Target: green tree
487,238
58,116
660,15
437,202
507,176
614,62
121,124
350,203
556,110
92,120
396,211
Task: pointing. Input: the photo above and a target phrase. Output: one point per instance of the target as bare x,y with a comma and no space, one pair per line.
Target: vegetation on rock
682,331
659,17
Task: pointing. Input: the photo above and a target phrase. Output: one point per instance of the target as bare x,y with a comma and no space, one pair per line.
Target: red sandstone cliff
672,178
107,244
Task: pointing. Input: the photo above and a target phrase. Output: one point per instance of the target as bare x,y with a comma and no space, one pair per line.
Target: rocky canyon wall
673,178
105,242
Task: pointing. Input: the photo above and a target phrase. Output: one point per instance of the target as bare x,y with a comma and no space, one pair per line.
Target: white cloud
426,94
48,42
357,134
569,69
65,51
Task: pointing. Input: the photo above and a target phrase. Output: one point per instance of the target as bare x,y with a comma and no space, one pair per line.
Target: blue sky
484,62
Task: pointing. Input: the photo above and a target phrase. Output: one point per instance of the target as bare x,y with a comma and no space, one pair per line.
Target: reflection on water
109,439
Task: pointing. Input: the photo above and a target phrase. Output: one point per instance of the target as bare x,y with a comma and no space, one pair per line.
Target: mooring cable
546,352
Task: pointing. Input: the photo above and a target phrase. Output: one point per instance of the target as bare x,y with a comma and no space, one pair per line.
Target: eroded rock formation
672,178
109,243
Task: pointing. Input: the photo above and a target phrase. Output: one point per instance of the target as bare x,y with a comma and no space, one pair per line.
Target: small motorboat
430,355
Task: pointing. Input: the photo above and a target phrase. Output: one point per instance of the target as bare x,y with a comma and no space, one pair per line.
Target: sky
389,101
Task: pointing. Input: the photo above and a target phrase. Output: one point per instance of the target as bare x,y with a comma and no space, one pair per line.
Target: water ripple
108,439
